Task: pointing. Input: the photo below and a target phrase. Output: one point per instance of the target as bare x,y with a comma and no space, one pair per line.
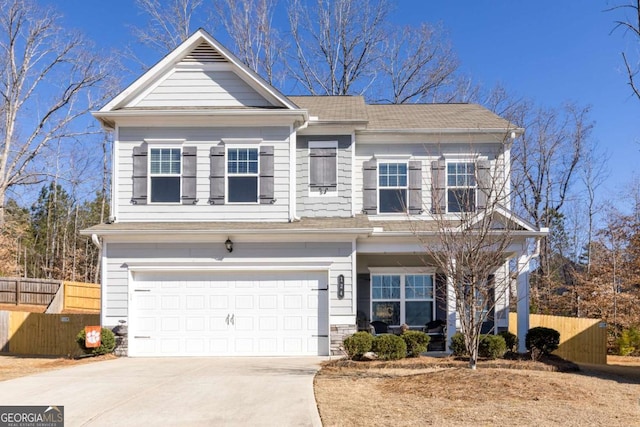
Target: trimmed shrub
492,346
542,340
389,347
458,347
358,344
629,342
511,340
416,342
107,342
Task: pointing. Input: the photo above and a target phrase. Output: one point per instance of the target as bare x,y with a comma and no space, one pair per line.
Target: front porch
405,289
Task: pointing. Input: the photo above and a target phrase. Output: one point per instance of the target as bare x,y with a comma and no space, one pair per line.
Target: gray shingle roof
402,116
333,108
433,116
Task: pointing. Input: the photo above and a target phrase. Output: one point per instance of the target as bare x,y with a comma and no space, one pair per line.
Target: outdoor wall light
341,286
229,245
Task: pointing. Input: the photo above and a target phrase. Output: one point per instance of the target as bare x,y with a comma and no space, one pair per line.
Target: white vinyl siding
202,139
200,88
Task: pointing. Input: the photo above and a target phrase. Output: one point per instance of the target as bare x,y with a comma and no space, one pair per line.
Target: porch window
402,298
392,179
242,175
165,169
461,187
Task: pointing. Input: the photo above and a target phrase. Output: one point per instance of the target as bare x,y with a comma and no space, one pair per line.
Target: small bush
107,342
629,342
416,342
511,340
389,347
458,347
542,340
358,344
492,346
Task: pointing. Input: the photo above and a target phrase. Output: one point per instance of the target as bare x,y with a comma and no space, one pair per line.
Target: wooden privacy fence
582,340
17,290
81,296
41,333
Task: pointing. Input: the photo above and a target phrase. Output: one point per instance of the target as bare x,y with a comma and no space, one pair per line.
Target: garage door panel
229,313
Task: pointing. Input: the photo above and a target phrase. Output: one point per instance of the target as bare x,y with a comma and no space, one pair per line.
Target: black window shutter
189,162
415,187
370,187
216,175
484,183
438,182
266,175
139,195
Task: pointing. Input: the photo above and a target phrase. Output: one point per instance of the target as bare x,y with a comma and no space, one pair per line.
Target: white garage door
229,313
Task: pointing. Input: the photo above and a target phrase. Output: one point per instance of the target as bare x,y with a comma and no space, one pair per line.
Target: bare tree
47,75
170,23
256,41
631,25
419,65
546,162
472,245
593,174
337,44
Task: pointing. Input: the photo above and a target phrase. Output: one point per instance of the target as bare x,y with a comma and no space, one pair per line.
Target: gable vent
203,53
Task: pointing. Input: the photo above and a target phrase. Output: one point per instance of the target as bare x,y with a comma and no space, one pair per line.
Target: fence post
18,282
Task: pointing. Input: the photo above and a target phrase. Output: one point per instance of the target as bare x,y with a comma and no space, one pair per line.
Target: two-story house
246,222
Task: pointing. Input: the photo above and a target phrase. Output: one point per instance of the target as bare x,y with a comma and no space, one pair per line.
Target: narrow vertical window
165,171
242,175
392,184
461,187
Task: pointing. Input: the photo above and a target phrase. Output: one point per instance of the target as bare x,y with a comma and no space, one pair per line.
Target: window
323,165
402,298
165,171
242,175
461,187
392,180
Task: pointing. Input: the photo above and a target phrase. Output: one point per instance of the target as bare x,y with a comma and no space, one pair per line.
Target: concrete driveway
176,392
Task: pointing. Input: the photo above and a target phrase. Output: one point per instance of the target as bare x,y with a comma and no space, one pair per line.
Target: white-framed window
323,168
461,186
242,174
407,297
392,187
165,168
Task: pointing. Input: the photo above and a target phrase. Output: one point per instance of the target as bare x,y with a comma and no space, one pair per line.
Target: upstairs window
242,175
461,187
165,169
392,184
323,166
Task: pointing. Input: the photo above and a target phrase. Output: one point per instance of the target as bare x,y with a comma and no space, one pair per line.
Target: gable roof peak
200,48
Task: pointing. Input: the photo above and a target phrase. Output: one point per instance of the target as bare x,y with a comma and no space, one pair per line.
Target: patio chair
437,331
380,327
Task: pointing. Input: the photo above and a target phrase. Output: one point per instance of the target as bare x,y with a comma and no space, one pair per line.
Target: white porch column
523,301
452,319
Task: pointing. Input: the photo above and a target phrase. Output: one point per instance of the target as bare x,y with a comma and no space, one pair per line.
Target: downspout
96,241
293,214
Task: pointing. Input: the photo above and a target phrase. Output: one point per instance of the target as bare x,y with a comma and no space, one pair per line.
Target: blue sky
553,51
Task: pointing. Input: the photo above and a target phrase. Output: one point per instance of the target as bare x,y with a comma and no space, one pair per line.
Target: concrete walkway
176,392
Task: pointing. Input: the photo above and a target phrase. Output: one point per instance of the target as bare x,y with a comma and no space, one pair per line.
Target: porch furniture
437,331
380,327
